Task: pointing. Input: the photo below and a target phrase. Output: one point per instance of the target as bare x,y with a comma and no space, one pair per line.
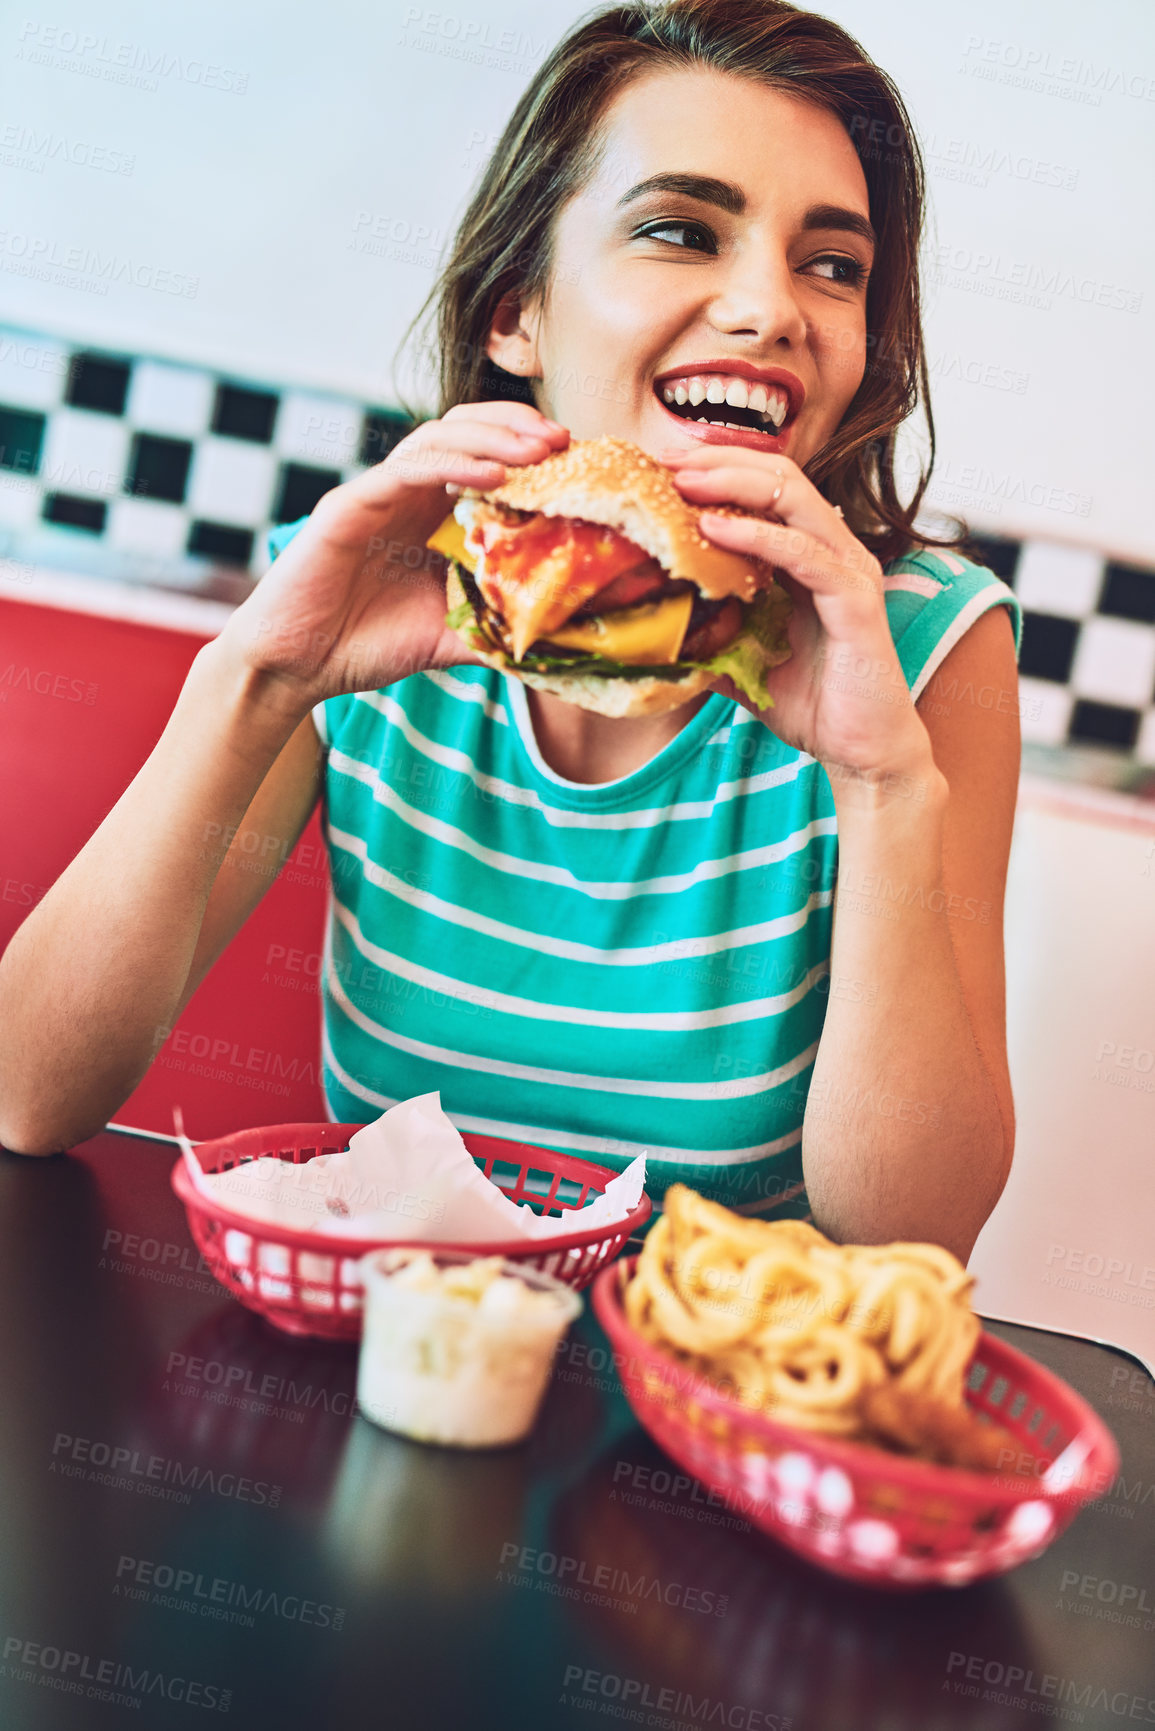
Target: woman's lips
709,434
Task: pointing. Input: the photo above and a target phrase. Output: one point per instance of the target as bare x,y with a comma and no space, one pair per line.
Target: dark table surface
197,1521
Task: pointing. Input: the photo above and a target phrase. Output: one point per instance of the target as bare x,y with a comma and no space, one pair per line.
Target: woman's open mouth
724,408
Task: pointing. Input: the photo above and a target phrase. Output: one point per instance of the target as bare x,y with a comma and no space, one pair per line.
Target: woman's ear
512,341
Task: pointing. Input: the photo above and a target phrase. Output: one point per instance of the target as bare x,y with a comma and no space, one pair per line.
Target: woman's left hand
842,697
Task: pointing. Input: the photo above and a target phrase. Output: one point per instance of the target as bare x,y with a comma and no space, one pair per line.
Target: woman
605,934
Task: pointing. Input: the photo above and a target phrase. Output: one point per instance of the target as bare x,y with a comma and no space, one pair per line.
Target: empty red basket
864,1512
308,1283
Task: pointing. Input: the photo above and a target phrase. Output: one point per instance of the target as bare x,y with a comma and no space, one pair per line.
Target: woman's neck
589,748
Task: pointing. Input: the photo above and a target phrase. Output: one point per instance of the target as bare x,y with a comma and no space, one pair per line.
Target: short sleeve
932,599
278,540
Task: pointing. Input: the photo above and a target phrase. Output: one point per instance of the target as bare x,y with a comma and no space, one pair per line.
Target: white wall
1080,929
277,137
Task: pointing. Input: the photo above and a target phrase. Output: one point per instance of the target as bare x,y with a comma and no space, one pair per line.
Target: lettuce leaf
760,646
598,664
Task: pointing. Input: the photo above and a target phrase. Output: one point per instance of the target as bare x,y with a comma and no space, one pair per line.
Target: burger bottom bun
608,695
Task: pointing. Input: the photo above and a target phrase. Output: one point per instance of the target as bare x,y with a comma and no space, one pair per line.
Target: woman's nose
758,299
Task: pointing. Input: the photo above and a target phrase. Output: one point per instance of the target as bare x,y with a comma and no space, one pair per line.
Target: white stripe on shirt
466,693
729,1088
543,943
505,1003
340,763
450,757
537,1136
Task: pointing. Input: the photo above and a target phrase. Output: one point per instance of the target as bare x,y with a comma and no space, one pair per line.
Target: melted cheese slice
648,636
449,538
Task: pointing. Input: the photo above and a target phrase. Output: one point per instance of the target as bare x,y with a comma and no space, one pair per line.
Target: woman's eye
838,267
659,230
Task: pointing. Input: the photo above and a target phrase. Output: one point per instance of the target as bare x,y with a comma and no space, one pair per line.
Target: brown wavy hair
549,149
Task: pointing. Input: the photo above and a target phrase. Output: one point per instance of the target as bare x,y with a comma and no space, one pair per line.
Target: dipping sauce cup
457,1349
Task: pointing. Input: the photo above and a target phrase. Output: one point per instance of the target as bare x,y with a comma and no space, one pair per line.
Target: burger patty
711,629
646,582
712,624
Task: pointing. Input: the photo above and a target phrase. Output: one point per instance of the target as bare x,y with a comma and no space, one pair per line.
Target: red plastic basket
307,1283
859,1511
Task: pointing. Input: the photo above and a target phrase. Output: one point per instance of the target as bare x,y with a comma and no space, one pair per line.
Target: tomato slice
539,572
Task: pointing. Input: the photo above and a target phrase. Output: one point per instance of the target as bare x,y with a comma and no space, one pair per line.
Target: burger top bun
613,481
614,697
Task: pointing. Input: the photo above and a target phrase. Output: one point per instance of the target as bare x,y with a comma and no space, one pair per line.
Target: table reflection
721,1611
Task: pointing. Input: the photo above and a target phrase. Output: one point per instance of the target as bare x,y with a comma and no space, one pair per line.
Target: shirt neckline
624,789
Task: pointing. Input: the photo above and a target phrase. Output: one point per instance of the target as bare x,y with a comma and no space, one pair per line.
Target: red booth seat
83,700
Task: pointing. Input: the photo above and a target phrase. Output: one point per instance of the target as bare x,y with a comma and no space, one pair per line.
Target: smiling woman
762,945
582,183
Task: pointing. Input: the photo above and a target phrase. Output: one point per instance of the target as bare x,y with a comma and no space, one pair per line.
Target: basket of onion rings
845,1399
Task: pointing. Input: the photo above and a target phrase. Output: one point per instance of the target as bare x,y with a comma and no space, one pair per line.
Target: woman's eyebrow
729,197
723,193
837,216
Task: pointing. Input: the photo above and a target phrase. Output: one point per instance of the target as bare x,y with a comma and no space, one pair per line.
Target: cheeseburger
586,575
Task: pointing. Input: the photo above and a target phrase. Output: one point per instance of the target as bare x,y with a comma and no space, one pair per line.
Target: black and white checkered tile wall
169,461
1087,666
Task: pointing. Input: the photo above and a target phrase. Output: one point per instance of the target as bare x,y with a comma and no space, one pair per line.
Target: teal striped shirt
636,966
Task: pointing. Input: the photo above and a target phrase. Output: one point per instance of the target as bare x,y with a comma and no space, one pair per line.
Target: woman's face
738,286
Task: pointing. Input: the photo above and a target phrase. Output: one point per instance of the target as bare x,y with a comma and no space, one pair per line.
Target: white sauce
461,1353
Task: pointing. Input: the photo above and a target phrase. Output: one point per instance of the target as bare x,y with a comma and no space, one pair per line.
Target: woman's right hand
357,600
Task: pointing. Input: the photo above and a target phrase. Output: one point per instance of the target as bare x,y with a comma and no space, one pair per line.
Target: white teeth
770,402
732,426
